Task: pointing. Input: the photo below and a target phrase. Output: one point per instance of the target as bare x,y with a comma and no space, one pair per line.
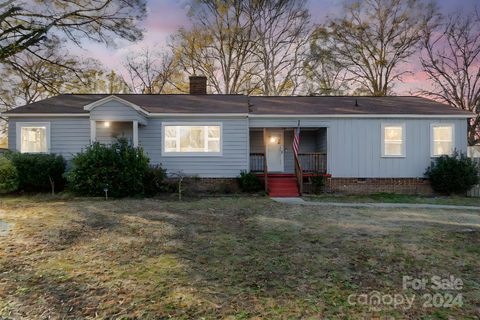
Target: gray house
364,143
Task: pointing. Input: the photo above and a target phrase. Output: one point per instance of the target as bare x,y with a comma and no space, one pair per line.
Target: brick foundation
413,186
194,186
374,185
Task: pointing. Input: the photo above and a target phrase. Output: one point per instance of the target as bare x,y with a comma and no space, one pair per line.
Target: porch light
274,139
106,124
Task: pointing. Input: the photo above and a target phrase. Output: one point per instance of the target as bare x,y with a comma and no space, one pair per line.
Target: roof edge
250,115
378,115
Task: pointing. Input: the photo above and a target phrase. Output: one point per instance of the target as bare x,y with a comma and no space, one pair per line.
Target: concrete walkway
300,201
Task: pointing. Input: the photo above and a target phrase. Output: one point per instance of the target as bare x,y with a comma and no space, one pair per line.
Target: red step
282,185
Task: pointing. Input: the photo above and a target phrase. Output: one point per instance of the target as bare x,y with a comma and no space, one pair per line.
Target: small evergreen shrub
8,176
120,168
249,182
39,172
318,182
454,174
154,181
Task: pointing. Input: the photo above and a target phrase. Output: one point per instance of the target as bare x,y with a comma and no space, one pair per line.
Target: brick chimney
198,85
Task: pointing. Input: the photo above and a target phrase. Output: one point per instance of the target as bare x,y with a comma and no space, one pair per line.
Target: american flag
296,140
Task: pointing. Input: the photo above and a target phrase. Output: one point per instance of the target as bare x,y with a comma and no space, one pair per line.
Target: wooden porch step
282,185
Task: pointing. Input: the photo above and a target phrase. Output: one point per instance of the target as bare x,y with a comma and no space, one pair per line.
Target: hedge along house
366,144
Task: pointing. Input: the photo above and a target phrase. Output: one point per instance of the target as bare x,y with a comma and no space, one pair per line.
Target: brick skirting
195,186
375,185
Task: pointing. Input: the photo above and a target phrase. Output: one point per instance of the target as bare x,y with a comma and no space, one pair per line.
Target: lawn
228,258
396,198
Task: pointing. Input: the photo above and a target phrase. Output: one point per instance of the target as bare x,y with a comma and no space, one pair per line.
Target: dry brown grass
233,258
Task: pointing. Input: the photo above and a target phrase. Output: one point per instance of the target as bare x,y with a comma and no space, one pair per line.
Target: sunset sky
166,16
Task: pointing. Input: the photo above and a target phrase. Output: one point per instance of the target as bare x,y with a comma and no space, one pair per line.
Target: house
366,144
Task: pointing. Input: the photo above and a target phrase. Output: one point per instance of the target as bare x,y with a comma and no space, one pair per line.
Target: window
442,139
192,139
33,137
393,137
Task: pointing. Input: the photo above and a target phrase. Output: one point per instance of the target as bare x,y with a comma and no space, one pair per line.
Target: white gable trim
97,103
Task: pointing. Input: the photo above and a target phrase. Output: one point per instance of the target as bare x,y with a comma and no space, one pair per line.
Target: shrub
120,168
8,176
452,174
249,182
39,172
318,182
153,181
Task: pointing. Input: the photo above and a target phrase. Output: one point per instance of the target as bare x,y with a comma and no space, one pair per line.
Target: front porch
272,156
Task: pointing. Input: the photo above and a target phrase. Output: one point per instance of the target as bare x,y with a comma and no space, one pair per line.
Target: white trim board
361,116
191,154
441,124
45,115
404,135
198,115
273,116
98,103
18,128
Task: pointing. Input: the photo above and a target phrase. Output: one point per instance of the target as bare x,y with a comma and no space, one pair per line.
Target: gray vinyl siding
354,146
233,160
68,136
116,111
287,123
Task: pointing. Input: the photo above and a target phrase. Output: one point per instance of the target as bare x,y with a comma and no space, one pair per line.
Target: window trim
432,142
404,139
18,129
191,154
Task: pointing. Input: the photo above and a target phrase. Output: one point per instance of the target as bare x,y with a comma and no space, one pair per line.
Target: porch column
93,131
135,134
265,168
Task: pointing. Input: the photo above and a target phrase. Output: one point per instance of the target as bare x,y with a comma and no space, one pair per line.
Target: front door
275,150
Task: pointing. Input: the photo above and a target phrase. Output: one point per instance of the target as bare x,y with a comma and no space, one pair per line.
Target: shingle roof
161,103
334,105
204,104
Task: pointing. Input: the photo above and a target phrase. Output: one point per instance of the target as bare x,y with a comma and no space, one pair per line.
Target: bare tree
452,62
27,26
151,71
374,37
281,29
218,45
92,78
26,78
324,74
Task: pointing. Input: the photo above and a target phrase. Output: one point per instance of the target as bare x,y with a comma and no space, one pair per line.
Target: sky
167,16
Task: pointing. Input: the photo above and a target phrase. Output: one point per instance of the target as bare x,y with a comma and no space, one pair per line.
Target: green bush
318,182
120,168
154,181
39,172
249,182
8,176
454,174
